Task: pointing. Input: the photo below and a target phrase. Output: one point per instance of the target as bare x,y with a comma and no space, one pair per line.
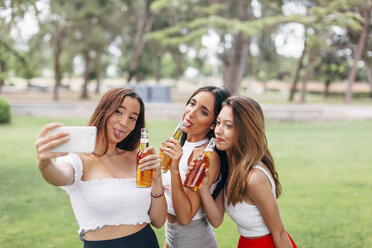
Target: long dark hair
249,147
220,95
108,104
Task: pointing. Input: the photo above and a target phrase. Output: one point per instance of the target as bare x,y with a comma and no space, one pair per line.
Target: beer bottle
166,161
197,174
144,178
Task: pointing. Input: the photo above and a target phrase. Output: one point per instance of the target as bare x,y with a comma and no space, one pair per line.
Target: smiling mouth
219,140
118,134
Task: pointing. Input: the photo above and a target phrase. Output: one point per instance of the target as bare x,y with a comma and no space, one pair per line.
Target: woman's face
123,120
225,130
199,116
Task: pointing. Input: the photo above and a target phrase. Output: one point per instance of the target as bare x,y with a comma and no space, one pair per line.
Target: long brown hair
220,94
108,104
249,147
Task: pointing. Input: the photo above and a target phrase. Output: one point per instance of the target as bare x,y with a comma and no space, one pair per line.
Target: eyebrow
204,107
135,113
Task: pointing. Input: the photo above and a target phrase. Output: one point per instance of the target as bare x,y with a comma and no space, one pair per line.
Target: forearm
213,211
281,239
158,209
57,174
181,203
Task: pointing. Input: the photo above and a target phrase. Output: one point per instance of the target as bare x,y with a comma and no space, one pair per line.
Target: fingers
149,162
172,148
150,149
46,129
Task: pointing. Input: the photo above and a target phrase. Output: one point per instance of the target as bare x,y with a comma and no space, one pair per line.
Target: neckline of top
197,143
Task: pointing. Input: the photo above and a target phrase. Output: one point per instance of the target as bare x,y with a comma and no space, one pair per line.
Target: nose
124,121
192,112
218,129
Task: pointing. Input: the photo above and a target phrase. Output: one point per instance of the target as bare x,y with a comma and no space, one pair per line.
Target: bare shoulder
257,178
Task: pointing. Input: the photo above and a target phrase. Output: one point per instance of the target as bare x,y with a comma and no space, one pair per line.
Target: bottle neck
144,144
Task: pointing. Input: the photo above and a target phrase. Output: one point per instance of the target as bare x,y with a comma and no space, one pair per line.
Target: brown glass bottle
144,178
166,161
197,174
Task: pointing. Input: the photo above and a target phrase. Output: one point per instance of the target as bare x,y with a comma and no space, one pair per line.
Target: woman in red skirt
252,185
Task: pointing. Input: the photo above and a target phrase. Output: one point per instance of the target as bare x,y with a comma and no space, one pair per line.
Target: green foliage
5,114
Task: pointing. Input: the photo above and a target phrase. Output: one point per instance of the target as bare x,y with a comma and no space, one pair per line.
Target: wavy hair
108,104
220,94
249,147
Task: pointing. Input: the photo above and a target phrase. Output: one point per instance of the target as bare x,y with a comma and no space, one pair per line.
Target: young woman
111,211
186,224
253,184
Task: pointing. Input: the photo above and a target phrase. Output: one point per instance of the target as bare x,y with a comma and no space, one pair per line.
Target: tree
366,10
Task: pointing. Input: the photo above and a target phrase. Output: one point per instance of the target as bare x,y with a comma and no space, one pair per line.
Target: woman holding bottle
253,184
111,211
186,225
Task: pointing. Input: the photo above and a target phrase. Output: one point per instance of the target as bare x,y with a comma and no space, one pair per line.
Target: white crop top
187,149
107,201
247,217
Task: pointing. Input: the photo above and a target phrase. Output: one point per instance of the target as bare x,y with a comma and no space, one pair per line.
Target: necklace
114,153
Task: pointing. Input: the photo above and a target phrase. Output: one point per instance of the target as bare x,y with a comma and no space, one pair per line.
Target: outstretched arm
58,174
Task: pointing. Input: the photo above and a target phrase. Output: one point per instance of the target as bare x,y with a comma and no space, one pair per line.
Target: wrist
157,194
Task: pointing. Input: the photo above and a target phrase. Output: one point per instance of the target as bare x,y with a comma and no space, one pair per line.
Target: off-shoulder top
107,201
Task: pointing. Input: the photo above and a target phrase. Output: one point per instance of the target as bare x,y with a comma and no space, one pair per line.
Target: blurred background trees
238,41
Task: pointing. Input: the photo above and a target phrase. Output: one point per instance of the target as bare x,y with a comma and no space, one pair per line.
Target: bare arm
213,208
58,174
158,208
259,191
186,203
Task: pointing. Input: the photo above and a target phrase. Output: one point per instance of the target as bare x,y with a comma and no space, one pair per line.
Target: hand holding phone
82,139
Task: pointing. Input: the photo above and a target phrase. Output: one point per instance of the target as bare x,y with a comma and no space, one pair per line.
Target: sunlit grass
324,167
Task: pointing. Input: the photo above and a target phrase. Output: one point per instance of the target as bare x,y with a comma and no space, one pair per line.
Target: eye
204,112
132,118
218,123
118,112
192,103
228,126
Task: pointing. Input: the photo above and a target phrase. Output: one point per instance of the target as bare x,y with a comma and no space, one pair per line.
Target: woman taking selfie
253,183
111,211
186,224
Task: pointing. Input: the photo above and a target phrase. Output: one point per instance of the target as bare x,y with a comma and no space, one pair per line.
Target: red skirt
265,242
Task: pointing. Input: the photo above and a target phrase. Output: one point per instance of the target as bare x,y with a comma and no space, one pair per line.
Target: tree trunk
138,42
235,68
98,72
297,73
306,76
84,91
327,83
57,69
369,74
158,68
2,72
358,54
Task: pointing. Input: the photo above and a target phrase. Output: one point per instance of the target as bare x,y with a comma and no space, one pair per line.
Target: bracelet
157,195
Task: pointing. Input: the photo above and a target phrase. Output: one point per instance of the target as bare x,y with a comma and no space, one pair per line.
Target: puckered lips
119,134
187,123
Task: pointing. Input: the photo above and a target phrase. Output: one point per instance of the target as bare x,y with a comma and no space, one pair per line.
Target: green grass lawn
325,169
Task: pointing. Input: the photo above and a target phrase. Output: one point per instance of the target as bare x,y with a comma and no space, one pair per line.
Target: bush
4,111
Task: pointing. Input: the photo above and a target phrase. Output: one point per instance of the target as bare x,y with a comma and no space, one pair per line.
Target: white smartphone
82,139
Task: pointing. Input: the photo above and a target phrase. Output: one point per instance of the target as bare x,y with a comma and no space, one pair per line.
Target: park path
173,111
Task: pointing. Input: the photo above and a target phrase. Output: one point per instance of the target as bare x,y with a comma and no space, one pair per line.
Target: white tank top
107,201
247,217
187,149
